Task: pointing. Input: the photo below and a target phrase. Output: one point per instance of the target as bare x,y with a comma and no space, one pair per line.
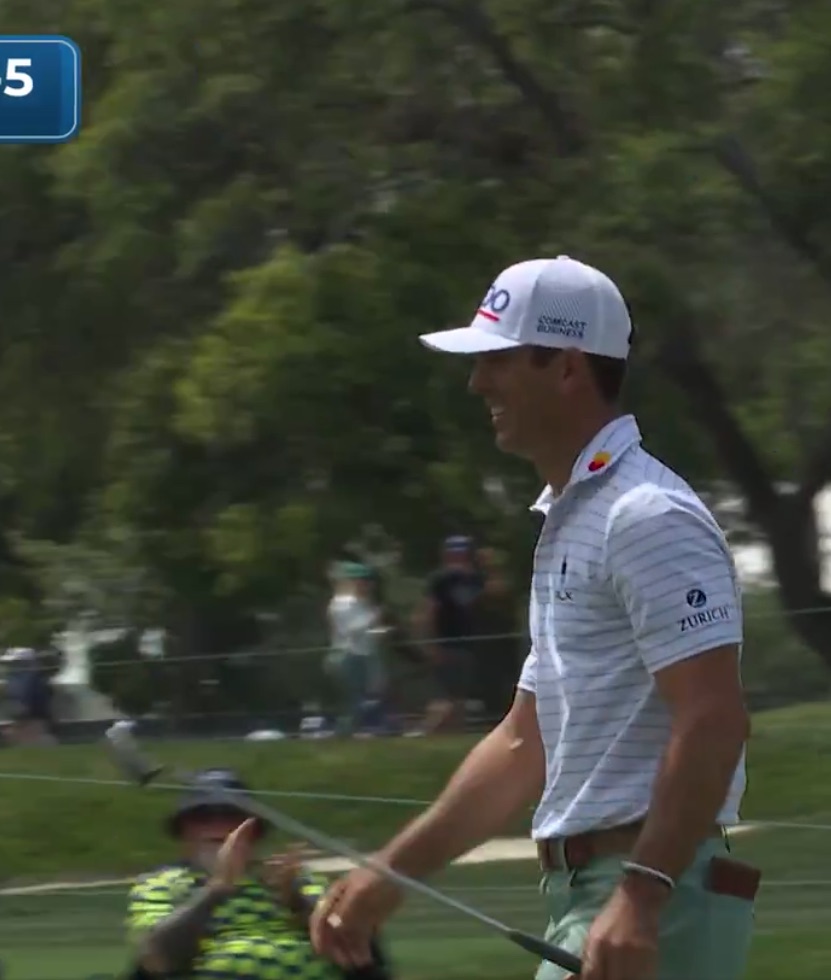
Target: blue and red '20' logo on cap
495,303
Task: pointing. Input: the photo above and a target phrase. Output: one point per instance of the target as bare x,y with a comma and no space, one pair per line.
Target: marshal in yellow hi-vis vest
251,923
250,934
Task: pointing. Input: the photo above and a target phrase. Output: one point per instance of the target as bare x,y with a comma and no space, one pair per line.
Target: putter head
127,755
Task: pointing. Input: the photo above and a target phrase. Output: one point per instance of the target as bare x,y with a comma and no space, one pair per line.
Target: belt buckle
566,853
549,854
577,852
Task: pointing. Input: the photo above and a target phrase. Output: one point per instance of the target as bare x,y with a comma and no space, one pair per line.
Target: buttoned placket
553,521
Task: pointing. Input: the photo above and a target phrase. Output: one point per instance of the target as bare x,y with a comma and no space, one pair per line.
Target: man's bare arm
710,726
502,774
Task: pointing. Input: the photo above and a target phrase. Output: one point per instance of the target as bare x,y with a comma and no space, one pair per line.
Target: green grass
71,937
50,829
790,953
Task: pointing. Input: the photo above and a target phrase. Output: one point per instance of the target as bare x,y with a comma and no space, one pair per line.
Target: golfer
628,727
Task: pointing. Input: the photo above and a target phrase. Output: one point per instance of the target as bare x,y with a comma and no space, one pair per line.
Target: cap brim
209,801
466,340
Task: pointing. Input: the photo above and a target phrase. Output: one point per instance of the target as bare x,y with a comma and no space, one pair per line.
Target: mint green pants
703,936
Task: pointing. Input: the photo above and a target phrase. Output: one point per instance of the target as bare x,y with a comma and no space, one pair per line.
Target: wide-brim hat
210,795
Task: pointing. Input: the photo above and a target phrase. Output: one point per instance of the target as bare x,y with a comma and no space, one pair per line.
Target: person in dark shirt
28,691
497,654
446,622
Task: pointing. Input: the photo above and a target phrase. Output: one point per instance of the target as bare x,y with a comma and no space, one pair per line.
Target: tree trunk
793,536
788,520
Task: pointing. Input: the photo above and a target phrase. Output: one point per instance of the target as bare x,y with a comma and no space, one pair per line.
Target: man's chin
512,447
505,443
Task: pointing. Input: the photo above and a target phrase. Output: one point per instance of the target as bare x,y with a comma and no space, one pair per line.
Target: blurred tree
210,372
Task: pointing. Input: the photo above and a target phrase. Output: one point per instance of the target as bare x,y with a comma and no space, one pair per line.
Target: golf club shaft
531,943
144,771
297,829
126,750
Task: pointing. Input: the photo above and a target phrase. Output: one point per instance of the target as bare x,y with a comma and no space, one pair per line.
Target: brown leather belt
572,853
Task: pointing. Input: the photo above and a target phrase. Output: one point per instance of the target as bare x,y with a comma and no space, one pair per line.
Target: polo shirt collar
605,449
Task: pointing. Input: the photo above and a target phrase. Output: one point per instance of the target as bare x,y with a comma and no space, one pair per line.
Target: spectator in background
446,624
28,693
354,660
497,655
382,635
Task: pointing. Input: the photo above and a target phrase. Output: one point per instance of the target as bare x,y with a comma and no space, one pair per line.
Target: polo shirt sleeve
528,675
672,570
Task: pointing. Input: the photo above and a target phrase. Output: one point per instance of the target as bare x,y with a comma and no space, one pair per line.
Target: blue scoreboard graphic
40,88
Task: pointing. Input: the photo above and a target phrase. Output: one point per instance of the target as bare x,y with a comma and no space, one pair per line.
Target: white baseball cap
546,303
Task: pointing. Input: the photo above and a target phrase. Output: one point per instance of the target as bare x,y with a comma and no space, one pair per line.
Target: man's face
204,833
526,399
456,557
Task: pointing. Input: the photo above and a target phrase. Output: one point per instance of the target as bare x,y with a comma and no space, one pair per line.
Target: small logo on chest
562,593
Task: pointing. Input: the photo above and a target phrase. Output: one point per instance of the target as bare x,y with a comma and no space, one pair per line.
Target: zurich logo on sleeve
696,598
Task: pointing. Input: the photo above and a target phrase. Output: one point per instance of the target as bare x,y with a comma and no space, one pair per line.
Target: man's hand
349,915
281,871
233,857
622,943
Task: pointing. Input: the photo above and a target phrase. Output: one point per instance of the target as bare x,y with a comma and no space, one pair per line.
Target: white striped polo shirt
631,573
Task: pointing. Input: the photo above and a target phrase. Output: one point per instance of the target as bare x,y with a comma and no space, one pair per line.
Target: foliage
209,361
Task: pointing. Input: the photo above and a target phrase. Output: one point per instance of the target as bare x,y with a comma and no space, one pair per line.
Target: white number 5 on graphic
14,74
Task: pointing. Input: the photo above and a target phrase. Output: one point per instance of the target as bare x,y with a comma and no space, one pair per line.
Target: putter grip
553,954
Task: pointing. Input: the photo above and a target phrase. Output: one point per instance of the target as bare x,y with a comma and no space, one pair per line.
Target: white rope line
524,852
287,794
405,641
346,797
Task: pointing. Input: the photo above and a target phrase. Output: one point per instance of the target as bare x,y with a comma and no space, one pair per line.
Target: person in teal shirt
355,661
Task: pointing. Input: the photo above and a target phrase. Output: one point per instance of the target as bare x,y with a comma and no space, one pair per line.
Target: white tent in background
76,698
753,558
